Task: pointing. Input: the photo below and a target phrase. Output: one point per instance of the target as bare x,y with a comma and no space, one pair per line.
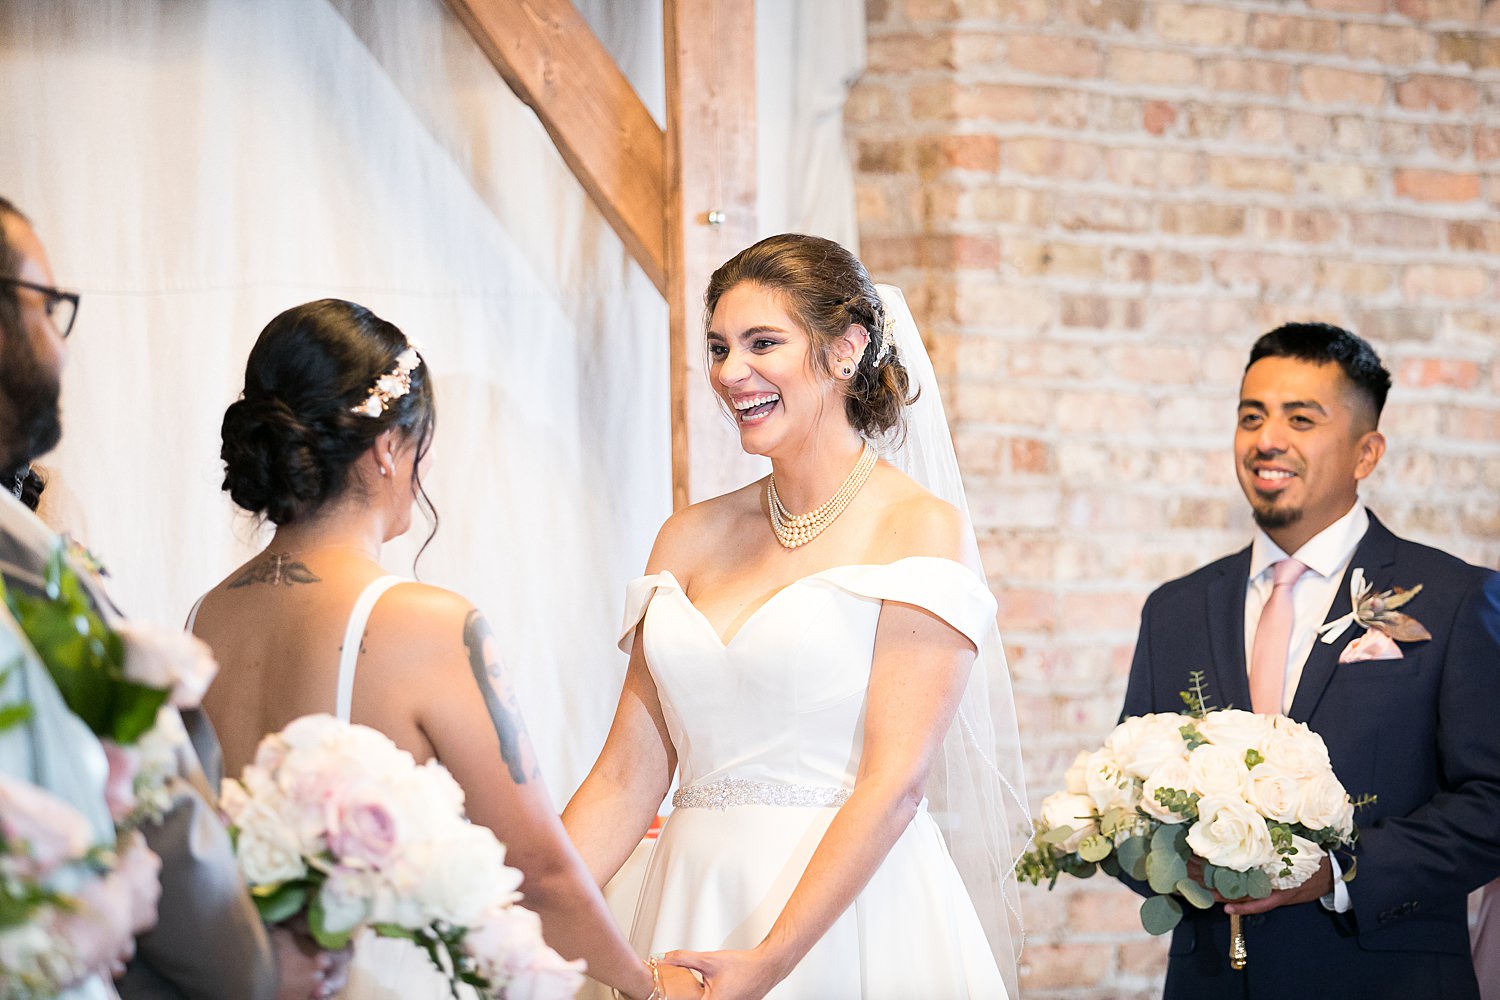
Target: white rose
267,848
503,941
1322,802
1171,775
1216,770
1143,743
464,874
347,899
1297,750
1074,780
1303,863
1067,809
1230,833
1236,730
311,730
546,977
1108,784
1274,792
395,892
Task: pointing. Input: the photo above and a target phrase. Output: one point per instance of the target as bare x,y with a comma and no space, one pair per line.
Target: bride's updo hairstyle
826,290
290,440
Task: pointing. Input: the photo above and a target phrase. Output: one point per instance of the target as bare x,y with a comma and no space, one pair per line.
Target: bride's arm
616,803
920,667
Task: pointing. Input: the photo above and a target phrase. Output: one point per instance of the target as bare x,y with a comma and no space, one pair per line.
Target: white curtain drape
196,166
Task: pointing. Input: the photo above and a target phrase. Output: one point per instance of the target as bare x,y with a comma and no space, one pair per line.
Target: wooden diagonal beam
551,58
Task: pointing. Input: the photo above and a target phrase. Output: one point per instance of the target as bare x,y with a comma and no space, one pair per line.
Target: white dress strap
193,614
359,616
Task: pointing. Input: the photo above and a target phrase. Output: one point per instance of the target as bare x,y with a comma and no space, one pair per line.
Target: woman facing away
805,671
327,442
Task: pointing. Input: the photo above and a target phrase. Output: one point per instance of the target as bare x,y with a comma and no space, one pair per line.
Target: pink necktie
1272,636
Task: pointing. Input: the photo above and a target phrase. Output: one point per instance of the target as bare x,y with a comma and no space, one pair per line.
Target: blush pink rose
119,787
43,830
363,827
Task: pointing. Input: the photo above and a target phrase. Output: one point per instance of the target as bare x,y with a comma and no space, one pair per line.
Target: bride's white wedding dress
768,724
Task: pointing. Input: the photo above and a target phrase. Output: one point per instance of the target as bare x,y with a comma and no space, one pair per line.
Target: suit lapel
1226,633
1376,554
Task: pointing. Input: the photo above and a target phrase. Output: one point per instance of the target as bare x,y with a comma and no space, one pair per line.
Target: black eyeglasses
61,306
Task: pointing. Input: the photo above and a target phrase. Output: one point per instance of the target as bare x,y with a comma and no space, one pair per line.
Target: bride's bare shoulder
914,522
684,537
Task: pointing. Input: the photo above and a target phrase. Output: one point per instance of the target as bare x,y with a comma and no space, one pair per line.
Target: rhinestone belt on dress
741,792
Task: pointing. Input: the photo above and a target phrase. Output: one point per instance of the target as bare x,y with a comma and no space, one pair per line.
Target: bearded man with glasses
209,943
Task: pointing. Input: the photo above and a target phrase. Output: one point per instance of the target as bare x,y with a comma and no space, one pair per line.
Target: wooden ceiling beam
550,57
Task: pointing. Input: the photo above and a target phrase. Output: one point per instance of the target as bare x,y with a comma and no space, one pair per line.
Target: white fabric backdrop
195,167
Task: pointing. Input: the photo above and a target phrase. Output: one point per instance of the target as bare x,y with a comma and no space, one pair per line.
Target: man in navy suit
1420,732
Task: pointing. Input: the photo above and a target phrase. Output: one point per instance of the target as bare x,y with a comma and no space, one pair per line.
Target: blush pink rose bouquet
68,909
334,821
1205,802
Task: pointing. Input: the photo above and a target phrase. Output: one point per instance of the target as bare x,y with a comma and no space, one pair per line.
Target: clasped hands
727,975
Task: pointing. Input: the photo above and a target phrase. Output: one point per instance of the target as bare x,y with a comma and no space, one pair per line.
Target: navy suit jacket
1421,733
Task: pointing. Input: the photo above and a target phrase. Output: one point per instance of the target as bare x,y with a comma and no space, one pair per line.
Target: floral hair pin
392,385
1377,614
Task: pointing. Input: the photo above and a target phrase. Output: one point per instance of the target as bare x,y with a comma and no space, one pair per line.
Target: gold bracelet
657,993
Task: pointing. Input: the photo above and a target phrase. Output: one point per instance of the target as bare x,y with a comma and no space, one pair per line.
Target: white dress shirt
1326,556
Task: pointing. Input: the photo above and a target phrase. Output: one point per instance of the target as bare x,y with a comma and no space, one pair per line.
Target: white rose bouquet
1252,799
334,821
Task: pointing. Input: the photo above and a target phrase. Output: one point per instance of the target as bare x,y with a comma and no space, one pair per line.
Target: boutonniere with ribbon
1377,614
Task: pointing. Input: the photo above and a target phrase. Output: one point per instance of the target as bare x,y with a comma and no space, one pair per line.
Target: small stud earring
847,370
384,471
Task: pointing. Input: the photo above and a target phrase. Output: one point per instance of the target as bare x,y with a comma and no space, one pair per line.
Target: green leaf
1095,848
1195,893
1055,835
278,903
1160,914
1229,883
1131,855
1164,869
317,926
14,715
135,711
394,931
1257,884
1110,866
1171,837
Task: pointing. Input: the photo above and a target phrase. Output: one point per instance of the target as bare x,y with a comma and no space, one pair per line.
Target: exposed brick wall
1095,206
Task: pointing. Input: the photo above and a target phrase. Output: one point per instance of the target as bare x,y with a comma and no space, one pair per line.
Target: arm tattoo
479,640
281,570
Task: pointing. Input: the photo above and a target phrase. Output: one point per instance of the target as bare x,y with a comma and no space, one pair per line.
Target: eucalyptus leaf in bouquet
1199,805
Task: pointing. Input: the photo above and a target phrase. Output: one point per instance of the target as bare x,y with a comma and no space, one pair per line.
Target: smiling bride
817,653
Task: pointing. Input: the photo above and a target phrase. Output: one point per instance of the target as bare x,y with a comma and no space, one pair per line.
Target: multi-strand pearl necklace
793,530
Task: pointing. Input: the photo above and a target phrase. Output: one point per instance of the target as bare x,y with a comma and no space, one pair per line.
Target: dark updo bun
826,290
292,437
